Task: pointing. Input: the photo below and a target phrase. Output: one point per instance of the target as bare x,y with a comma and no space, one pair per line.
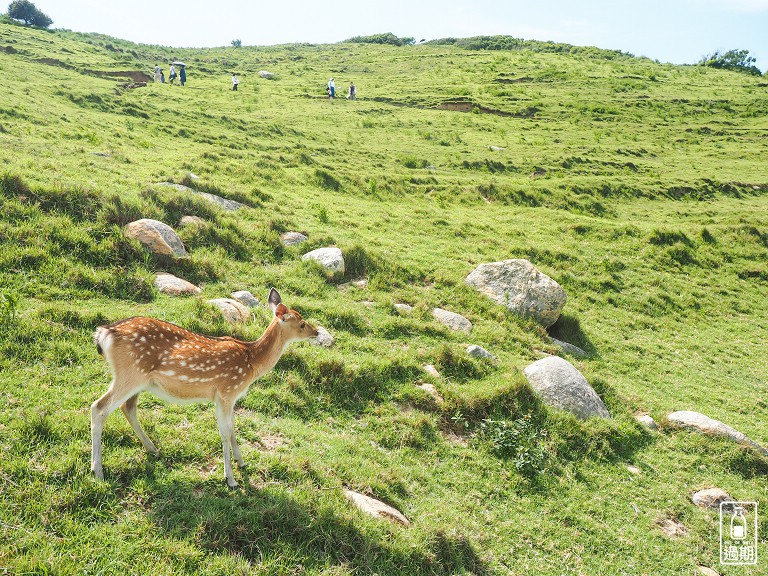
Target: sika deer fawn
146,354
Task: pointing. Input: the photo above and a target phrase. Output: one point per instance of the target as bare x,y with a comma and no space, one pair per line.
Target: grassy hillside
640,187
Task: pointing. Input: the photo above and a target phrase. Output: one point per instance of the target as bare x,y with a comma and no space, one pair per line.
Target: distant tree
387,38
27,12
237,43
738,60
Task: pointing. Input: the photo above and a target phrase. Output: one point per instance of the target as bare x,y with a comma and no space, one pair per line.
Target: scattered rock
157,237
376,508
231,309
496,148
431,390
271,442
246,298
194,176
330,258
647,421
266,75
672,528
478,352
361,283
292,238
323,338
191,221
431,370
706,425
633,469
558,383
452,320
173,286
711,498
569,348
519,286
226,204
707,571
404,308
368,303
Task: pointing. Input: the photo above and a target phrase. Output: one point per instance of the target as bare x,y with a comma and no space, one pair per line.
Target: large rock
174,286
519,286
376,508
330,258
157,237
706,425
568,348
452,320
266,74
232,310
558,383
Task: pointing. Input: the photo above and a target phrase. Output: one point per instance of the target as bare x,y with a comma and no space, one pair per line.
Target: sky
676,31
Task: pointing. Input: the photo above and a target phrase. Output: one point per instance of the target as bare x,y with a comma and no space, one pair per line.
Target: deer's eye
302,325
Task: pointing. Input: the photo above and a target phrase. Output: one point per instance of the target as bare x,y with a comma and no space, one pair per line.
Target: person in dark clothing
182,75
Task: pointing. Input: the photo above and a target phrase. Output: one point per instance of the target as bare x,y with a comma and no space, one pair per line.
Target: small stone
376,508
707,571
633,469
479,352
292,238
569,348
323,338
157,237
329,258
647,421
672,528
431,370
711,498
404,308
173,286
432,391
191,221
360,283
496,148
231,309
452,320
266,75
245,297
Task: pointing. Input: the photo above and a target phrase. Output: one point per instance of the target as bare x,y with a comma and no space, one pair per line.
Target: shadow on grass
266,526
568,329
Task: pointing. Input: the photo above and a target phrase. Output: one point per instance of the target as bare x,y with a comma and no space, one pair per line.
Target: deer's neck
266,351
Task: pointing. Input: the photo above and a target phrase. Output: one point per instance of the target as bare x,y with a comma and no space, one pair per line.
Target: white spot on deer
168,373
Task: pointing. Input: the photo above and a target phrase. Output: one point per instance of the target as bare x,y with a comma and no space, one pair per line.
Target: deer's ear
280,310
274,299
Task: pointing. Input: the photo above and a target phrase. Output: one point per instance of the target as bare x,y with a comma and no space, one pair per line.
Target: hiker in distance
352,94
331,89
235,82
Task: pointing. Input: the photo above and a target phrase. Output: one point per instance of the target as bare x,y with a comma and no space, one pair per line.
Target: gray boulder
376,508
559,384
174,286
647,421
157,237
519,286
266,75
226,204
706,425
330,258
191,221
452,320
404,308
231,309
711,498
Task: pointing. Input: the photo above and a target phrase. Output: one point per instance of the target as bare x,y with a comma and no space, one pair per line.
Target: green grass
640,187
